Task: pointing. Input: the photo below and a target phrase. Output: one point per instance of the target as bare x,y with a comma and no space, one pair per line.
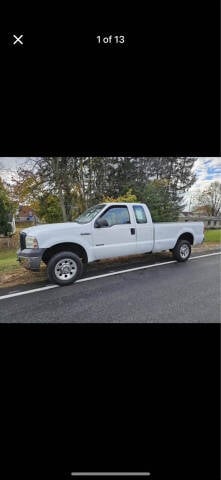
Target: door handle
132,230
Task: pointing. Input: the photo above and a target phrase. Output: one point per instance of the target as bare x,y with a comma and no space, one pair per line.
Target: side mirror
101,222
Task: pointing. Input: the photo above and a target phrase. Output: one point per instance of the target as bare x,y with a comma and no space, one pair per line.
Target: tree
176,170
210,198
50,175
79,182
48,208
127,198
27,188
6,209
136,172
164,207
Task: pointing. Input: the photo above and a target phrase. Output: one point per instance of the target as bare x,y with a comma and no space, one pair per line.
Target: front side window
116,216
90,214
140,214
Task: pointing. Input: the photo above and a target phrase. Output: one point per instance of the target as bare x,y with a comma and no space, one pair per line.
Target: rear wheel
64,268
182,250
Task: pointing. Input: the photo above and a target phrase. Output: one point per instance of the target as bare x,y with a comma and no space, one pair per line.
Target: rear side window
117,216
140,214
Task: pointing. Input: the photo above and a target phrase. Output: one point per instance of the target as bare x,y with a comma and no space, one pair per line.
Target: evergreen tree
6,208
163,205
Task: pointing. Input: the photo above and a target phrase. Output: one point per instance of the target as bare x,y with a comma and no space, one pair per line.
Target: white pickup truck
103,231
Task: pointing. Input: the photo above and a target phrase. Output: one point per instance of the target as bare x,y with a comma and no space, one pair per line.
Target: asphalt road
167,293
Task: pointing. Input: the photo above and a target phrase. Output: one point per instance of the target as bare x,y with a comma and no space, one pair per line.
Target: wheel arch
186,236
65,246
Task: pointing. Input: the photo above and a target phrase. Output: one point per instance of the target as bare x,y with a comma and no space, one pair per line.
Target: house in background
201,216
26,214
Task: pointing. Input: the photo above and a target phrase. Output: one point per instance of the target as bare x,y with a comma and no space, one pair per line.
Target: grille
22,240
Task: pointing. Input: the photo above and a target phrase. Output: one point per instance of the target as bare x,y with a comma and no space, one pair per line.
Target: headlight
31,242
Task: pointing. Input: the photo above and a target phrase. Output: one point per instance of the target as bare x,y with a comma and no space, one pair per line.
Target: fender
82,241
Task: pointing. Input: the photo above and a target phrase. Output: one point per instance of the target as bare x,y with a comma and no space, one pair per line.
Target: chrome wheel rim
184,251
65,269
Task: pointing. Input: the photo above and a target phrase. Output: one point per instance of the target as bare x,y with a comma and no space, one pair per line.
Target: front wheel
64,268
182,250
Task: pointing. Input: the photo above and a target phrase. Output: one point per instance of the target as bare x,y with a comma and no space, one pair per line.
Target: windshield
90,213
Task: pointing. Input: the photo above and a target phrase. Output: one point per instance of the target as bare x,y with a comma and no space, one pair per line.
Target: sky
8,166
206,169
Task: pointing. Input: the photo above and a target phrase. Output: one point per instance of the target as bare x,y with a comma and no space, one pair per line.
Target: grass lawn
12,273
8,259
213,236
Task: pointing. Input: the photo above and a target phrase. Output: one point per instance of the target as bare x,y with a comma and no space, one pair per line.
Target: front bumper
30,258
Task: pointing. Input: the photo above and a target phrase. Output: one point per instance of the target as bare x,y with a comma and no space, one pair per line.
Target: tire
64,268
182,250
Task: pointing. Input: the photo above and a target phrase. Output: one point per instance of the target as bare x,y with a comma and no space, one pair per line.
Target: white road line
207,255
119,272
25,292
124,271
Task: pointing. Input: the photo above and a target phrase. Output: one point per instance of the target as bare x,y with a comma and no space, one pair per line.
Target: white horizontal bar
110,474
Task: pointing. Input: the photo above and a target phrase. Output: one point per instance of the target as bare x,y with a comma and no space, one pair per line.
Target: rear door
119,237
144,230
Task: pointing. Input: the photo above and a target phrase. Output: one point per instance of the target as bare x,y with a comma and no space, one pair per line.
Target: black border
171,108
111,398
158,95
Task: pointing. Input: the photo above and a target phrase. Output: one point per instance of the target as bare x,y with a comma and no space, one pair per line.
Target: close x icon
17,39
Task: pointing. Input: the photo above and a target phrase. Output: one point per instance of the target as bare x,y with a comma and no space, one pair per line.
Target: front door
118,238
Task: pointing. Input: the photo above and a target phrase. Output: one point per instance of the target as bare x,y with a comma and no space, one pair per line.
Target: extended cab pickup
103,231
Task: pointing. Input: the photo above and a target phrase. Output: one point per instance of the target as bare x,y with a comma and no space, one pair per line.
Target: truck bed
166,233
